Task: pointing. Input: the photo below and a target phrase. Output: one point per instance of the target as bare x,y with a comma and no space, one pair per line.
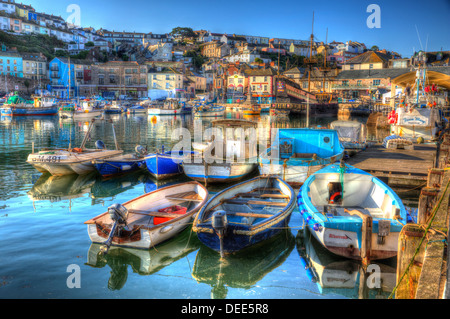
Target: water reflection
244,269
58,188
105,188
142,261
340,276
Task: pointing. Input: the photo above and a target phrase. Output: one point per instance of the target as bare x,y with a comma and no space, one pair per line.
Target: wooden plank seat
186,196
262,195
254,202
154,214
256,215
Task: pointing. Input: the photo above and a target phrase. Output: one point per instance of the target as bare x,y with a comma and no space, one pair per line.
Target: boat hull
162,166
155,111
64,162
29,111
239,235
114,167
218,173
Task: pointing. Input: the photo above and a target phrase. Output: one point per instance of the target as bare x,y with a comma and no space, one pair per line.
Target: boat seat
186,196
304,155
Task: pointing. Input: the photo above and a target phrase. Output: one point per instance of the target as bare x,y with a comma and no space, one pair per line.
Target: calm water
43,235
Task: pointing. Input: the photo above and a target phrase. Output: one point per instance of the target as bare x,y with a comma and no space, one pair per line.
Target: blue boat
137,109
352,213
119,164
39,106
164,165
295,153
245,214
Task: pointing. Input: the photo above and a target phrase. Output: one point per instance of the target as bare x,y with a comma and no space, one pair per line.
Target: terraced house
165,83
11,64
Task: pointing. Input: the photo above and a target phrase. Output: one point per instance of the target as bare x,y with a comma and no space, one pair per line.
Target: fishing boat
228,158
352,213
169,107
164,165
296,153
417,114
351,134
245,214
66,110
71,160
87,109
137,109
150,219
15,105
114,108
121,164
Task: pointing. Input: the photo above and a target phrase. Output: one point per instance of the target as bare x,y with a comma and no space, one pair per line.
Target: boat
121,164
352,213
338,276
114,108
417,114
169,107
242,271
87,109
296,153
149,219
71,160
137,109
66,110
251,109
15,105
226,159
209,109
351,134
245,214
164,165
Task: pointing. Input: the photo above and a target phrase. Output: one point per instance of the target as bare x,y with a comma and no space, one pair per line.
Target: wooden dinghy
60,162
245,214
352,213
149,219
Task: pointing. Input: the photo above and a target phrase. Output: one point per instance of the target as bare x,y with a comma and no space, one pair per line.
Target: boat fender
332,197
166,229
77,150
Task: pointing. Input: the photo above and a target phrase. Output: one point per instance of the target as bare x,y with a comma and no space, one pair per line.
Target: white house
5,23
245,57
8,6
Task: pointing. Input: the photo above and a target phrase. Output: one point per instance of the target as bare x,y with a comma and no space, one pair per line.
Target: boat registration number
47,159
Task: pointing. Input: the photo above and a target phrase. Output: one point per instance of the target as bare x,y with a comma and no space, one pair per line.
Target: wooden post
366,229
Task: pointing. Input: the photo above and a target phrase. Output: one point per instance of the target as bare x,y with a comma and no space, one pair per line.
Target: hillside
32,43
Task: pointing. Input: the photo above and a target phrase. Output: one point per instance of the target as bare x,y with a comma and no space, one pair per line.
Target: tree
182,32
374,48
258,60
89,44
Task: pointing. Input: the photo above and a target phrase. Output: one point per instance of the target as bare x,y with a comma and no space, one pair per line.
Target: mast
69,77
310,62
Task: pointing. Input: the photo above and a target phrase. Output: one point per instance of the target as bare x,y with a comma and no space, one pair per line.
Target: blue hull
29,111
238,234
109,168
162,166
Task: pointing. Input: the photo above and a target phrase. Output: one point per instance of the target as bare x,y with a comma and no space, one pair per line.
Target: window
167,85
376,82
370,66
154,85
358,83
352,66
345,83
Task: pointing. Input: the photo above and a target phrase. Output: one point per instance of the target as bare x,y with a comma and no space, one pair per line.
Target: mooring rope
421,241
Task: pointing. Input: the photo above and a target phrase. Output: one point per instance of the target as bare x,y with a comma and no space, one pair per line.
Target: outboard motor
119,214
100,145
220,223
140,150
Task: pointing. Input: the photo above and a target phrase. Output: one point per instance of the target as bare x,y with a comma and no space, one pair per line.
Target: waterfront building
34,66
165,82
261,85
11,63
320,80
119,78
368,61
61,83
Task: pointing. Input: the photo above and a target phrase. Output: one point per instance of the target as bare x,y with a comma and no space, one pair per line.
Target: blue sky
403,22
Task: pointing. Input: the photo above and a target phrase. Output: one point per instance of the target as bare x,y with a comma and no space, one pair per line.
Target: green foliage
89,44
182,32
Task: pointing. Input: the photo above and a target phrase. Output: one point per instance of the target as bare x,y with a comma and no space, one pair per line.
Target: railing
356,87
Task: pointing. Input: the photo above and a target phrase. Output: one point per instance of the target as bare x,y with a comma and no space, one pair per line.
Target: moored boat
251,109
296,153
39,106
245,214
229,158
71,160
137,109
121,164
169,107
352,213
150,219
164,165
209,110
87,109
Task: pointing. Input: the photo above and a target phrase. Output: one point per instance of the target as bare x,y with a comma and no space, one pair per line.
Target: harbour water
44,240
